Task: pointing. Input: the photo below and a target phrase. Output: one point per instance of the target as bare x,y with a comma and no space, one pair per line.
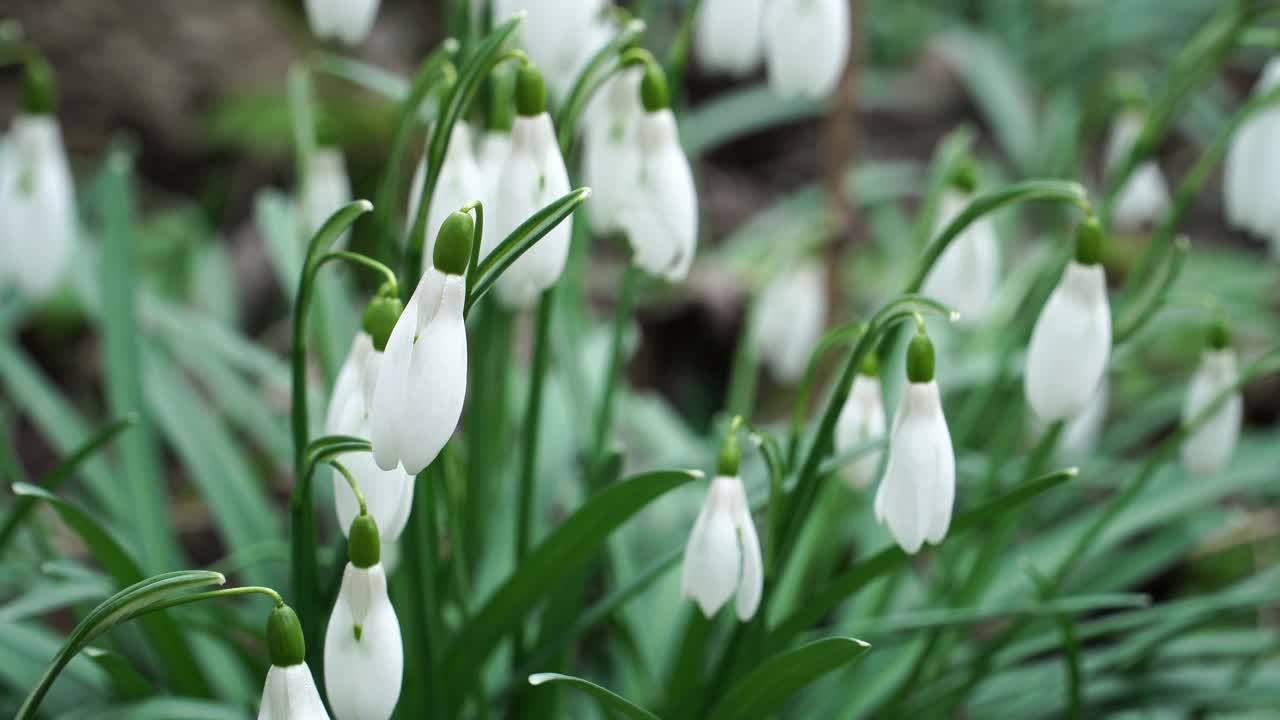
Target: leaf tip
539,678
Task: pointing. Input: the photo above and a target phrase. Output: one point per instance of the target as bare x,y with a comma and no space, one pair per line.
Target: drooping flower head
968,272
729,35
1252,167
1144,198
918,490
290,691
347,21
609,145
723,554
806,45
1071,342
862,421
418,394
791,315
1209,448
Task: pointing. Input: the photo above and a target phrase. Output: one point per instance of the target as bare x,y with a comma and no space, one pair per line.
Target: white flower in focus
1144,198
861,421
37,206
560,36
363,654
806,45
1209,448
968,272
791,314
460,182
290,694
347,21
325,189
729,36
1070,344
1252,167
418,394
608,144
723,553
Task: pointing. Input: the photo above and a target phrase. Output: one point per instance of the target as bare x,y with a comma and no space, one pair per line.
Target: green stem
477,238
212,594
678,54
359,260
589,82
351,481
621,319
746,366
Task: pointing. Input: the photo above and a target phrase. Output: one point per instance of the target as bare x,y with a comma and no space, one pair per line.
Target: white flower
290,694
729,35
1251,169
1144,198
460,182
806,44
347,21
363,655
861,421
1070,344
723,554
417,399
491,154
37,206
560,36
792,312
608,144
659,213
919,486
388,493
533,176
325,189
966,275
1080,436
1209,448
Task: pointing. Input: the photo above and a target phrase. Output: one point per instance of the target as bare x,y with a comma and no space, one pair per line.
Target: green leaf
128,603
577,539
767,687
738,114
998,87
608,699
127,682
520,241
943,617
369,77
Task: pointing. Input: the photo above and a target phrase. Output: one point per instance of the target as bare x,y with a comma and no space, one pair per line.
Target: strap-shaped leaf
608,699
761,691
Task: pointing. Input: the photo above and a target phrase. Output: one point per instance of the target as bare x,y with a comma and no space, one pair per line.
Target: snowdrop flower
1080,436
792,312
347,21
729,36
418,394
1250,171
1071,341
325,189
966,275
1144,198
290,692
388,493
363,655
459,183
723,554
806,45
560,36
659,213
37,195
1209,448
609,143
533,176
919,486
862,421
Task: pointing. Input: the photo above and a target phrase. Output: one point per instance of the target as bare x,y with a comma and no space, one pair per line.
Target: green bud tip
653,88
531,91
964,176
501,112
380,317
1089,242
870,364
920,359
1219,334
453,244
730,456
284,637
39,87
364,549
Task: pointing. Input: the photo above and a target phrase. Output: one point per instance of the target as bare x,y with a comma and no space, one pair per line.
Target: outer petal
660,216
1143,200
806,45
712,556
919,482
538,269
967,274
346,403
751,584
1209,449
1070,344
364,674
861,421
436,382
609,147
290,694
729,35
389,388
38,222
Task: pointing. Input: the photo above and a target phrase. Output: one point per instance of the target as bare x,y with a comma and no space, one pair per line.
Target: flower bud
654,95
723,555
453,245
1089,242
920,359
285,642
531,91
363,546
917,493
380,316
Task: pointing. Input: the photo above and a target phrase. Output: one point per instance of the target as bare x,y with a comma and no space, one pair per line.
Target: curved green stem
476,239
351,482
832,339
213,594
359,260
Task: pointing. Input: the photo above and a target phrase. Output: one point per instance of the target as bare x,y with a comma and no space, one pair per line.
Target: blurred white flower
968,272
1070,344
491,154
791,313
1144,198
609,144
560,36
37,206
1252,167
290,694
806,45
1209,448
918,490
861,421
659,213
1080,436
460,182
723,553
363,655
347,21
325,189
729,35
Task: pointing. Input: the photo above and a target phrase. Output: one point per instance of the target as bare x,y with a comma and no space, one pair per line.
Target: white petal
1209,449
660,213
792,313
1143,200
348,21
806,43
436,382
388,494
1070,344
729,35
751,584
459,183
491,155
1080,436
346,402
38,222
609,147
389,388
713,556
918,489
861,421
966,275
363,675
290,694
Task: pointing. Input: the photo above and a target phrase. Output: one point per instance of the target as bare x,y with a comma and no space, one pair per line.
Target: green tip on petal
920,359
39,87
1089,242
1220,335
964,176
380,317
453,244
364,548
730,456
531,91
870,364
653,89
357,631
285,643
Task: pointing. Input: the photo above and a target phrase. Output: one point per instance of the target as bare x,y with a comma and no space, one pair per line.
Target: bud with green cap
1089,241
654,94
285,642
381,314
531,91
920,358
364,548
453,245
